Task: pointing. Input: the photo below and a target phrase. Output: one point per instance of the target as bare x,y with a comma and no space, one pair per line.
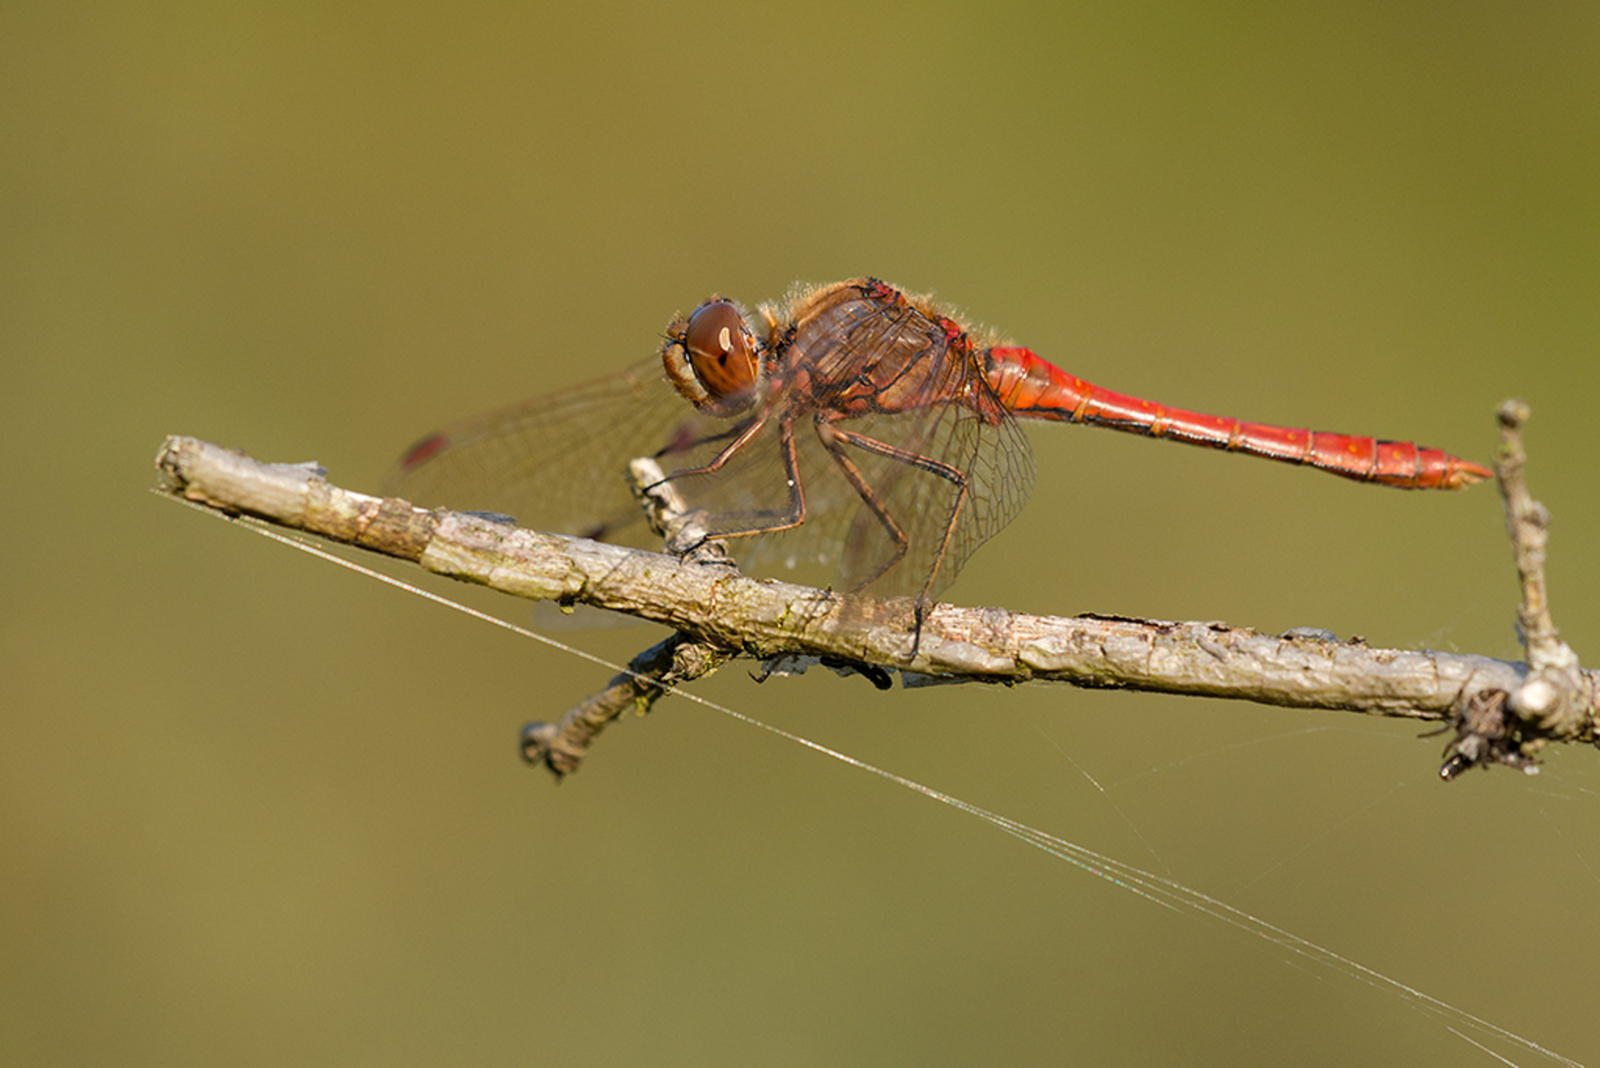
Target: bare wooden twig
1528,524
562,745
1555,697
720,612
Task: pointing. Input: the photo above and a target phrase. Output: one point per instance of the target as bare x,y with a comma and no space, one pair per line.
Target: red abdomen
1034,388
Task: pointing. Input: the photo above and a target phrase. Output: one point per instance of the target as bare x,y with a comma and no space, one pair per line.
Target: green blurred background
256,810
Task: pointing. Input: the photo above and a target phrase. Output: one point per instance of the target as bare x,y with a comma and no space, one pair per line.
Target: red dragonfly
863,430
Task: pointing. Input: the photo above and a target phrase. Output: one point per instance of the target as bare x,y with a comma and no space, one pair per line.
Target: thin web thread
1168,893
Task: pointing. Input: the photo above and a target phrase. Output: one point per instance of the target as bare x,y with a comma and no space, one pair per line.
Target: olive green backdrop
256,810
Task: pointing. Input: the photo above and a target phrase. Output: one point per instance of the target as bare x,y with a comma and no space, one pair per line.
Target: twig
1555,697
726,613
1528,524
561,746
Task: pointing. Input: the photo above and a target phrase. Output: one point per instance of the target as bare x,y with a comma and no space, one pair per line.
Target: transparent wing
943,519
557,462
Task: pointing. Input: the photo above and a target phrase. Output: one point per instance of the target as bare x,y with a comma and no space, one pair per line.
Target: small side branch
1556,699
718,613
1550,659
561,746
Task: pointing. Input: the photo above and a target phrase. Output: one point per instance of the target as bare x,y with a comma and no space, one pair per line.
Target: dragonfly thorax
713,359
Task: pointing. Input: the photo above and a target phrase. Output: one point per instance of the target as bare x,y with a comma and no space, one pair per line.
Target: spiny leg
768,521
746,434
938,468
736,430
831,436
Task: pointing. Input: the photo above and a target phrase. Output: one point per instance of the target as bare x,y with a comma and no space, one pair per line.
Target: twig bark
720,612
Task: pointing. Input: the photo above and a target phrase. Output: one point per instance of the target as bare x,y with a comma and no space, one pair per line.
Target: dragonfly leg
742,524
679,445
746,433
831,438
836,437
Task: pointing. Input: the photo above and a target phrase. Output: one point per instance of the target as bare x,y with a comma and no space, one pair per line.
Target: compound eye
721,350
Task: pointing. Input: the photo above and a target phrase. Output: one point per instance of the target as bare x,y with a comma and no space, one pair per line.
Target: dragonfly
855,430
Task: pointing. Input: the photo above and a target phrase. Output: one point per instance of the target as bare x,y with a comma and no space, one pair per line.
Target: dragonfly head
713,359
